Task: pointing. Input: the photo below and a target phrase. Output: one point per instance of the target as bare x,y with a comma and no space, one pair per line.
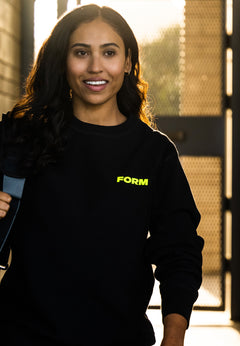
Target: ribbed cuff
180,301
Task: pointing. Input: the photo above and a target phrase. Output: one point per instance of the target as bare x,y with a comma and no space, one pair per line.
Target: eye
110,52
81,53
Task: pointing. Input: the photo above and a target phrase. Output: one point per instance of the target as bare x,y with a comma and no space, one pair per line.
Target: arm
175,326
174,246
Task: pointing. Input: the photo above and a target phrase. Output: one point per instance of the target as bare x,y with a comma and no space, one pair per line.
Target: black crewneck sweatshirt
81,271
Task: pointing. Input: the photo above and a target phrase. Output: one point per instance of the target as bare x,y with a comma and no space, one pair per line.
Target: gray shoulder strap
13,186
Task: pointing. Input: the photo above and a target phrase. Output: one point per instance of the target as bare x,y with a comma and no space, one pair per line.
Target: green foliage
160,68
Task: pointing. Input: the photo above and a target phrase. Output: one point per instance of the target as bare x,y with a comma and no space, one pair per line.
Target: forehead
95,32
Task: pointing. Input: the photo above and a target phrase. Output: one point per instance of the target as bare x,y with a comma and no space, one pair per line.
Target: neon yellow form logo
134,181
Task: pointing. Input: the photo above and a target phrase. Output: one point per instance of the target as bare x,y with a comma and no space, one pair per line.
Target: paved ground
206,329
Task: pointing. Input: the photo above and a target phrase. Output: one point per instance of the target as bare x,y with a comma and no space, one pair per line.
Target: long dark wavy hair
41,116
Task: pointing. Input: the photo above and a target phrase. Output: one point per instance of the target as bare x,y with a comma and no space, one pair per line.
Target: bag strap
14,187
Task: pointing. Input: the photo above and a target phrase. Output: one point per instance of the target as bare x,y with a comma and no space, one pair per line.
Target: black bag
13,184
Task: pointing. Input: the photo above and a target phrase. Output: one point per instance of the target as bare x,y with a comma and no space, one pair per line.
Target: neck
105,115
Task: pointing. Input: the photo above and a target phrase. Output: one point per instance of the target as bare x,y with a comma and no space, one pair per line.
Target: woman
98,179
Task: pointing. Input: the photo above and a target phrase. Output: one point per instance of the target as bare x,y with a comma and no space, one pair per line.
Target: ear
128,62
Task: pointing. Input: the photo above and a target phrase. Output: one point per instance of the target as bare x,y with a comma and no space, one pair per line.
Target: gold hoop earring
70,93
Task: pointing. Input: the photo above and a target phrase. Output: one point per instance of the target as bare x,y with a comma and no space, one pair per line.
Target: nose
95,64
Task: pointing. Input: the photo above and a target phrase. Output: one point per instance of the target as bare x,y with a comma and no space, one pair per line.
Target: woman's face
96,64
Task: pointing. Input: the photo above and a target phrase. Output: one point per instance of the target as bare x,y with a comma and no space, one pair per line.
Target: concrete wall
9,53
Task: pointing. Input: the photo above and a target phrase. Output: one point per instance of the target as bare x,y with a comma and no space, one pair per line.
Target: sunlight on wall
44,20
71,4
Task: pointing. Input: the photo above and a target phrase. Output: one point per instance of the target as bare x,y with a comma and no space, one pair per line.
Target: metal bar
27,39
61,7
235,303
195,136
195,307
223,170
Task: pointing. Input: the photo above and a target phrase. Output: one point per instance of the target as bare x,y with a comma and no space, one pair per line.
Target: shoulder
159,141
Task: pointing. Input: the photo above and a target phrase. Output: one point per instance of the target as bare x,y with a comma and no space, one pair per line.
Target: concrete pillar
27,39
10,37
61,7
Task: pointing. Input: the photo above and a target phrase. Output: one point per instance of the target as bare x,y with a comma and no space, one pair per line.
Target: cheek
117,70
74,69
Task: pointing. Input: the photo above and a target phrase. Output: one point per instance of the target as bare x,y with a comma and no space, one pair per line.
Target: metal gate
198,128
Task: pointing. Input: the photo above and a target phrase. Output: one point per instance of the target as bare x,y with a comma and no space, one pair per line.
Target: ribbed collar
82,126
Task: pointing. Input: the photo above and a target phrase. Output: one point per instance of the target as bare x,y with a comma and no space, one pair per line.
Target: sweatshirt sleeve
174,246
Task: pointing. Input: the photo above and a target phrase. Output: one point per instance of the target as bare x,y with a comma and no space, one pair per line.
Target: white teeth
97,82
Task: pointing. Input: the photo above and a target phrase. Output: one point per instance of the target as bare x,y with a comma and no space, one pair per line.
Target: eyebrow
105,45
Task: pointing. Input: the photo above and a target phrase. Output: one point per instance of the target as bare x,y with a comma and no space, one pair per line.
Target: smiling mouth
95,83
